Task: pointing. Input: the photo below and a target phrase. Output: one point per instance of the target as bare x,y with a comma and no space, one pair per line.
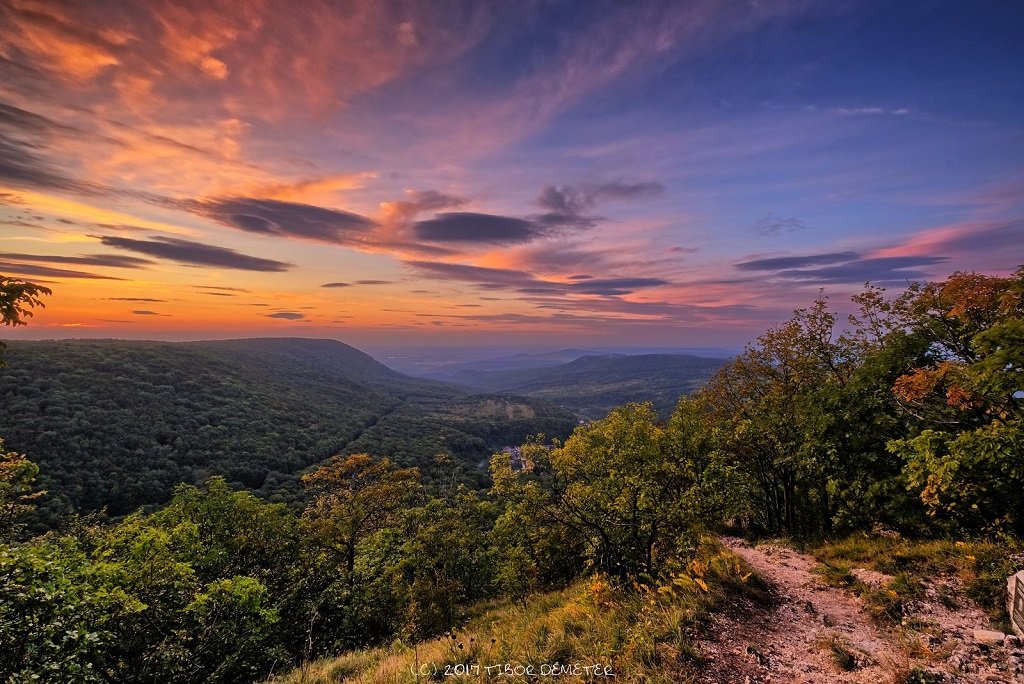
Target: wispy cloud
195,253
779,263
112,260
221,288
33,270
472,274
284,219
614,286
843,268
526,283
880,271
777,225
621,41
401,212
22,136
584,163
572,199
974,239
234,54
861,111
476,228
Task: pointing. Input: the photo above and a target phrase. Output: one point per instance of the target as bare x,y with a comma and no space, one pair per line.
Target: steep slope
116,424
763,614
328,356
590,631
593,385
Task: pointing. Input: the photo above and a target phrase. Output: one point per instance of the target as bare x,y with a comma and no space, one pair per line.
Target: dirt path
817,634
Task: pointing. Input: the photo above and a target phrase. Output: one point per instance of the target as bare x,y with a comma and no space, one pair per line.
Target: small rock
1011,641
988,637
870,577
882,530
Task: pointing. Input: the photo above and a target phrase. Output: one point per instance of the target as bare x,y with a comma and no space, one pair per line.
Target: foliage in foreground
221,586
911,416
17,300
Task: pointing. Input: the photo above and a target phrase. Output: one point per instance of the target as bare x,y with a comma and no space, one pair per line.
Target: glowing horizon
654,173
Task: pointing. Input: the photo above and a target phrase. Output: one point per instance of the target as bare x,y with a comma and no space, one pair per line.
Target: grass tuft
918,676
836,574
842,655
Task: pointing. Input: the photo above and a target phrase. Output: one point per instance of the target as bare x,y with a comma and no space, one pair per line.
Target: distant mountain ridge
447,370
593,385
326,353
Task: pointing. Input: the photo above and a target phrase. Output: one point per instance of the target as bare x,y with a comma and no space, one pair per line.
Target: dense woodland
117,425
908,416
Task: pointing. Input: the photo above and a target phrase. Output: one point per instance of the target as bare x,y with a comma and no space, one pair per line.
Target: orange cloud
54,41
212,60
88,213
311,191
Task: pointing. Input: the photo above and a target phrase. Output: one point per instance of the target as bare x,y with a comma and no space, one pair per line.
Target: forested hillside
594,385
117,424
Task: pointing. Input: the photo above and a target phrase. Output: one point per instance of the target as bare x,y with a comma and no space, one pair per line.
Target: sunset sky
551,172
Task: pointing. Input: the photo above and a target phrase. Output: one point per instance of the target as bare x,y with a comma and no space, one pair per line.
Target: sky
531,172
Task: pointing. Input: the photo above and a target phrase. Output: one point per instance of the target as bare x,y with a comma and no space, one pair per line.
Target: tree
178,596
231,532
17,476
17,299
790,413
229,635
968,460
445,563
764,401
715,488
354,502
59,614
353,497
613,487
17,473
534,548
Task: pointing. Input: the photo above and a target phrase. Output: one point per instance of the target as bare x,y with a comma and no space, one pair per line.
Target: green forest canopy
118,424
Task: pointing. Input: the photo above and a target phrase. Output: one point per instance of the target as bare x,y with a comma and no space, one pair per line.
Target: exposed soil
816,633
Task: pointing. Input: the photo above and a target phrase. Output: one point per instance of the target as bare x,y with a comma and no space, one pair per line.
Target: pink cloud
985,245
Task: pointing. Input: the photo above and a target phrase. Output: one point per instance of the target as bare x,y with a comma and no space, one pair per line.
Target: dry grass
842,654
641,633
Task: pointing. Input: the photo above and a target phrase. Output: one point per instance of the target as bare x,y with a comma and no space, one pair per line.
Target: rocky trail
815,633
